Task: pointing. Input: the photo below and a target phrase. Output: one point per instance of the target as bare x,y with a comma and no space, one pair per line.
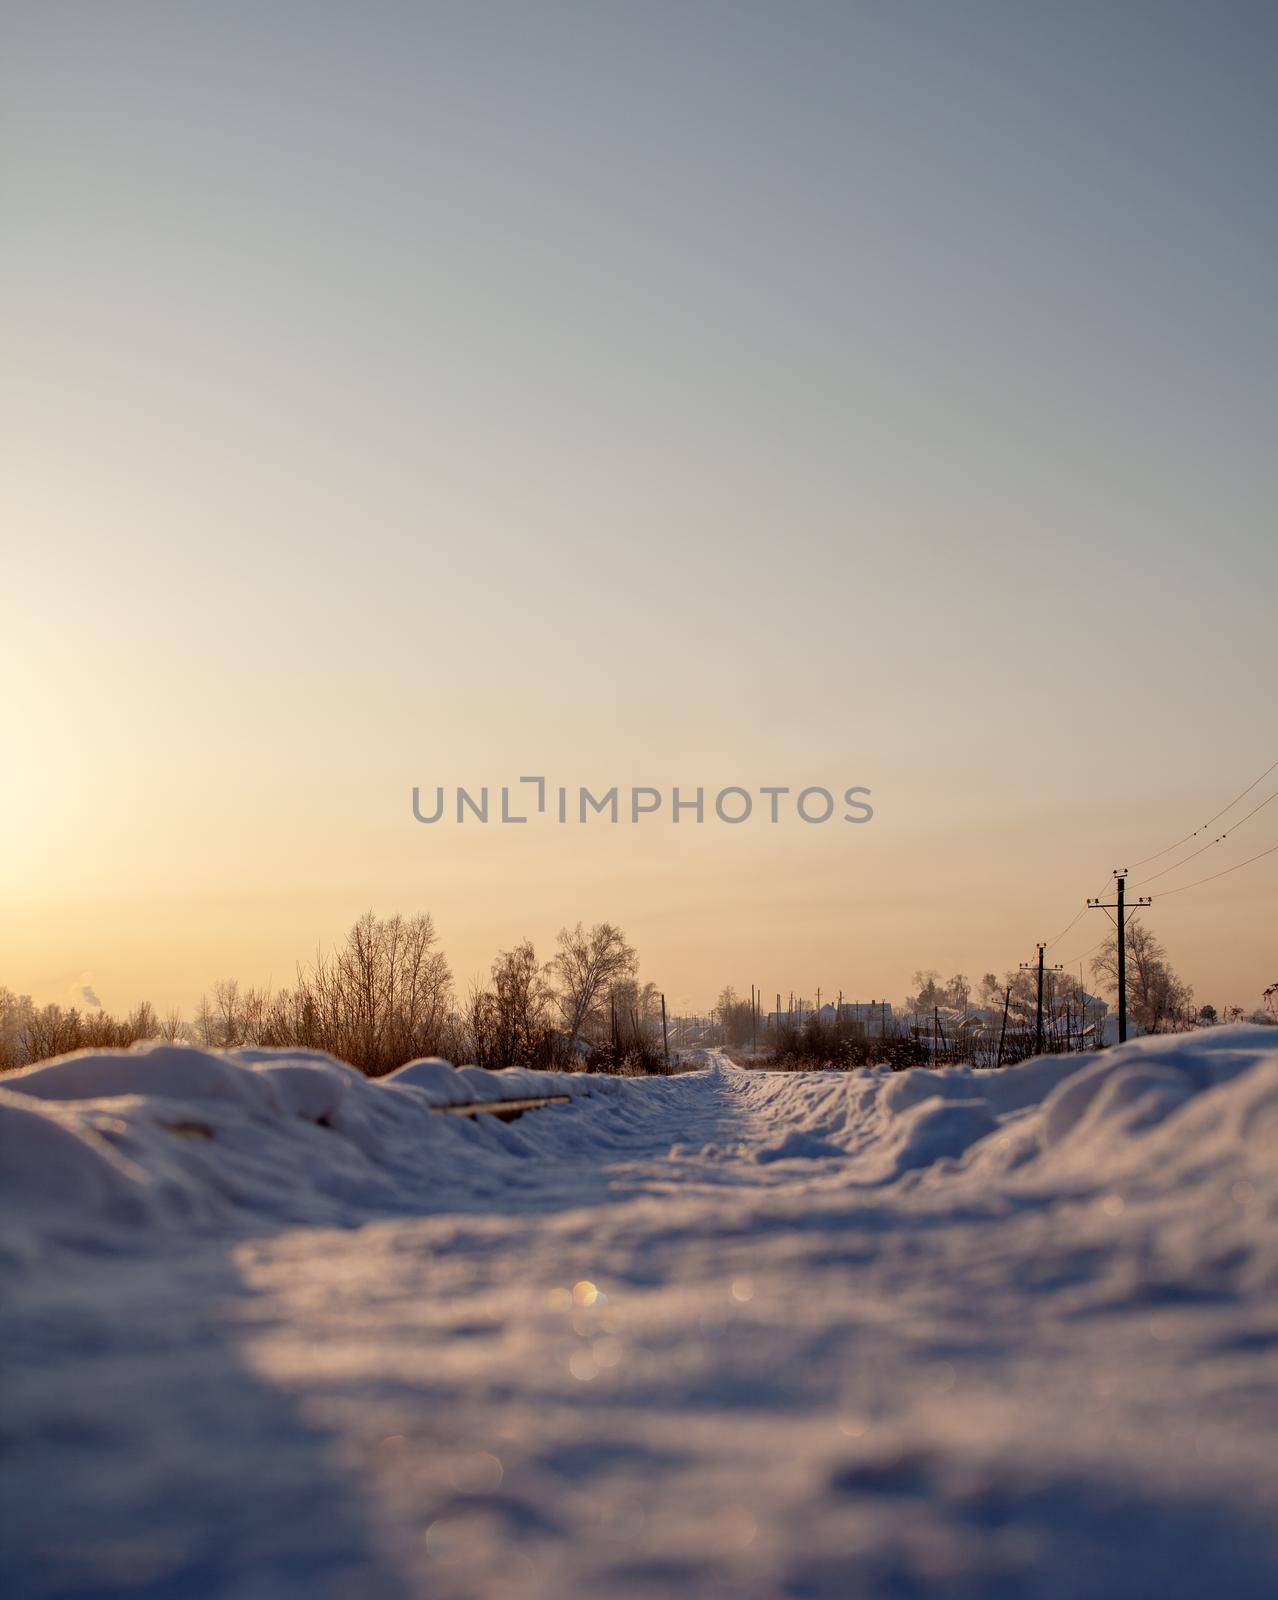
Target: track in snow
820,1345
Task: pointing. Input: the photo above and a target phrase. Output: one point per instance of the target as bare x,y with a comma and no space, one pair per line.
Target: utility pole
1007,1000
665,1033
1027,966
1120,921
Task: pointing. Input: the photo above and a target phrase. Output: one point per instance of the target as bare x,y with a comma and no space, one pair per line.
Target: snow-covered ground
273,1330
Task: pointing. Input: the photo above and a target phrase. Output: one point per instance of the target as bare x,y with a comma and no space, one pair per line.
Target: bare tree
1156,997
229,1013
524,997
378,1001
205,1025
382,998
16,1011
30,1033
734,1016
480,1019
931,992
586,968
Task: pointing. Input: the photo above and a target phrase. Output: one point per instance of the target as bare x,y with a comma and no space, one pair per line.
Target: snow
272,1329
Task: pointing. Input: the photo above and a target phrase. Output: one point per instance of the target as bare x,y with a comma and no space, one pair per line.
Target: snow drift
96,1147
277,1329
99,1145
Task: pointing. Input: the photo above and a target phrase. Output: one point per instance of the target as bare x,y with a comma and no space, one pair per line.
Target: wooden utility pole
665,1032
1028,966
1121,908
1038,1005
1120,921
1002,1032
1037,966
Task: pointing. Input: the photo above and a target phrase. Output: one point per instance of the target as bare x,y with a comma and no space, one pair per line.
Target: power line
1163,871
1233,827
1067,927
1078,916
1237,867
1224,874
1083,954
1157,853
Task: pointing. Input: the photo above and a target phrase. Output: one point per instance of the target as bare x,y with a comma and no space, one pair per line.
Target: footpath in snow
270,1329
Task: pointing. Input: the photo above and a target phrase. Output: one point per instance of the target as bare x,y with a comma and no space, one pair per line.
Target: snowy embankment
277,1329
99,1147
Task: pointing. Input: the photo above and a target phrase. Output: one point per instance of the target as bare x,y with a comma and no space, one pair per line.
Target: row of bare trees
585,1006
385,996
33,1033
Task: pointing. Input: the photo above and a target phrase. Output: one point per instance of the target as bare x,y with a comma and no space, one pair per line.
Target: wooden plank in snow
507,1110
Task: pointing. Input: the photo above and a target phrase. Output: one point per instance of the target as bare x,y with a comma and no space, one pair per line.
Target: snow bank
1059,1118
736,1332
98,1145
1164,1149
95,1146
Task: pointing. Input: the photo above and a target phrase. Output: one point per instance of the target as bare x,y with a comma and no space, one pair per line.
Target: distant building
875,1016
869,1016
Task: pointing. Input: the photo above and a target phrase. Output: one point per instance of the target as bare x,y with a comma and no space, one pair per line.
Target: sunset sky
697,394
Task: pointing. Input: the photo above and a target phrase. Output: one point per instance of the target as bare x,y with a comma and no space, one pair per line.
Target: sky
700,394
